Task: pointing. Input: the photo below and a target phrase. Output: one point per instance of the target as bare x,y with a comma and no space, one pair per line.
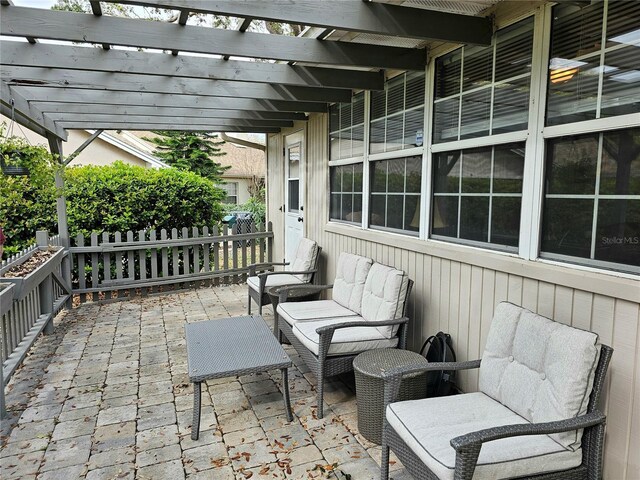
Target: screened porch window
346,128
346,193
395,193
478,195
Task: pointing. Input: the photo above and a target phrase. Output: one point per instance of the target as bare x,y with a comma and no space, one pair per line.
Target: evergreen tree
192,151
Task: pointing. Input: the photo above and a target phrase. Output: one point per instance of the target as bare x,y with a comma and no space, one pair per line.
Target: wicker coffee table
230,347
368,368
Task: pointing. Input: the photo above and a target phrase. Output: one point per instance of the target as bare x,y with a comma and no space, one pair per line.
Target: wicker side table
368,368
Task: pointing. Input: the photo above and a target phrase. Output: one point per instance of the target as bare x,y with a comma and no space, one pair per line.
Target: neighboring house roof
136,150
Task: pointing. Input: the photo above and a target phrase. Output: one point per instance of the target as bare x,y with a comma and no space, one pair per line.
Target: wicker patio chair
501,431
300,270
329,334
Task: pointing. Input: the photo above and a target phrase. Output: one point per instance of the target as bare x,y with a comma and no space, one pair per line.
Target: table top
373,362
232,346
295,291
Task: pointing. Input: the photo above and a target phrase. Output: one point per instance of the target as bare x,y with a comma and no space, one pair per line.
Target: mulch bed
33,262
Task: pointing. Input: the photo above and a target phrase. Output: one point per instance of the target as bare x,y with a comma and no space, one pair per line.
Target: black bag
438,349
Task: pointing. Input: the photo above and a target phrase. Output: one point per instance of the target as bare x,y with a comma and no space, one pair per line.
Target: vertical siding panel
581,311
429,315
530,294
563,305
461,344
619,415
488,305
436,279
419,299
634,437
602,324
501,293
515,289
475,309
454,299
445,287
546,299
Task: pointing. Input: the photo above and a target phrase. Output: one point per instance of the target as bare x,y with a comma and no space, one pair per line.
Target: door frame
286,144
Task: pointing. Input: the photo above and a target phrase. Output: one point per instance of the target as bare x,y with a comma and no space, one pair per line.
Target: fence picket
118,255
95,266
234,251
175,270
186,262
216,256
196,251
131,262
154,256
165,255
106,258
142,256
225,252
253,243
82,279
206,251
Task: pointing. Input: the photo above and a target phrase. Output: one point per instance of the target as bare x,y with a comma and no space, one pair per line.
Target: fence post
46,286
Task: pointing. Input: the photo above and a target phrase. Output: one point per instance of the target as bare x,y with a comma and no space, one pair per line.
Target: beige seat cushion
293,312
345,340
351,274
274,280
384,295
541,369
304,259
428,425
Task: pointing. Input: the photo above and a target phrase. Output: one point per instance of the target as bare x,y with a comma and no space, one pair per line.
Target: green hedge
117,197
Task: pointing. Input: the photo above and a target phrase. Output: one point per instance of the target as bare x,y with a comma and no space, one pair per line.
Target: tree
191,151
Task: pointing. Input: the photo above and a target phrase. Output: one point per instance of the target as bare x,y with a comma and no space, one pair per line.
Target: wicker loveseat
300,270
535,414
367,311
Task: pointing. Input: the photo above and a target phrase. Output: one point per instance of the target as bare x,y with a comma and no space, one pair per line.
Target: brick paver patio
107,396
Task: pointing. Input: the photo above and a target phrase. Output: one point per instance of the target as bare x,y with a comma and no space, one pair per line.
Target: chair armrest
254,266
286,272
487,435
385,323
284,291
392,378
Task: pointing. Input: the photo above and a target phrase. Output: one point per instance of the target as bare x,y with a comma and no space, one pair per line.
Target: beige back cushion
385,292
348,286
541,369
304,259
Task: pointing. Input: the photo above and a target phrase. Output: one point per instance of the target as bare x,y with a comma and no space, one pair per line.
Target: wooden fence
148,261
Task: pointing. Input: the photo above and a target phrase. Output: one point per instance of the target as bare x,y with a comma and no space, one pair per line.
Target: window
594,72
483,91
592,197
395,193
346,193
478,194
232,192
346,128
293,180
397,114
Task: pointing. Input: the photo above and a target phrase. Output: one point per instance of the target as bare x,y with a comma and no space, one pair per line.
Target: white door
294,149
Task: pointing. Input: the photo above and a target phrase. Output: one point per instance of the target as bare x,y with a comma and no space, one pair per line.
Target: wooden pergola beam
81,27
49,108
102,97
152,63
131,82
178,122
165,126
348,15
14,100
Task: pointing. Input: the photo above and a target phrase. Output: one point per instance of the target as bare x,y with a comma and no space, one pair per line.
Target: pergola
159,84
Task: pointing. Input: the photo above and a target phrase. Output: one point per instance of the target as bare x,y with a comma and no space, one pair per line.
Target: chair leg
320,390
384,462
249,303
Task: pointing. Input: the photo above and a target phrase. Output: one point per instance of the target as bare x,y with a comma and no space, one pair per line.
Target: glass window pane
334,146
448,74
358,108
334,207
413,128
335,179
294,161
347,206
379,177
357,141
476,170
474,218
377,214
476,109
377,134
378,106
446,115
444,219
334,117
514,49
477,67
622,23
356,216
396,175
414,174
508,168
357,172
415,89
620,169
394,132
345,115
446,178
294,192
412,213
571,165
511,106
395,211
577,29
505,221
618,231
621,82
566,226
395,95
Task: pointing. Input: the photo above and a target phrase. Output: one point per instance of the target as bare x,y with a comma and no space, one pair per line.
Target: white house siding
457,288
